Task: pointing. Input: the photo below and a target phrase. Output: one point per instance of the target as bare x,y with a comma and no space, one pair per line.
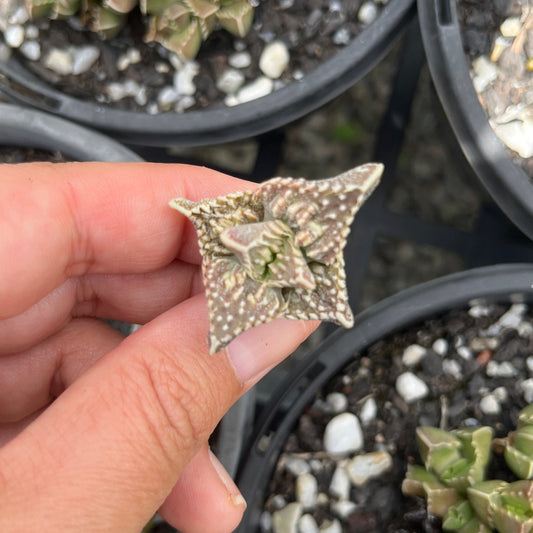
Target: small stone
342,36
231,100
501,394
505,369
368,466
184,78
161,67
20,16
367,13
240,60
465,352
134,55
286,520
333,526
336,402
307,524
527,389
513,316
297,466
343,434
60,61
485,72
511,27
141,98
489,405
479,310
274,59
410,387
230,81
167,97
115,91
452,368
343,508
413,354
278,502
516,136
31,50
339,486
265,522
440,347
286,4
306,490
500,44
14,35
529,363
369,410
184,103
84,58
260,87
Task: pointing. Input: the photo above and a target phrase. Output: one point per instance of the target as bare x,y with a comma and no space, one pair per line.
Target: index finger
64,220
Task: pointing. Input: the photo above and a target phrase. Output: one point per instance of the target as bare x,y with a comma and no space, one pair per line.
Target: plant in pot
332,447
479,56
296,56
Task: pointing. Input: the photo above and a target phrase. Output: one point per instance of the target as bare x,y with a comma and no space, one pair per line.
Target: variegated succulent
277,251
179,25
453,478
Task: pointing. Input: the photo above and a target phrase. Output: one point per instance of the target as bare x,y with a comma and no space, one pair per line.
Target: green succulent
181,26
452,480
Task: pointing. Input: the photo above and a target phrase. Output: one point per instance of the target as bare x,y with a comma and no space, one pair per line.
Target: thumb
107,452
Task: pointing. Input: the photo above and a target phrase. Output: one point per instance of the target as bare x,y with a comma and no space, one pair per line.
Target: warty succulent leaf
276,252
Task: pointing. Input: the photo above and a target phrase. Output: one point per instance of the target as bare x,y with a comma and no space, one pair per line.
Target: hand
97,432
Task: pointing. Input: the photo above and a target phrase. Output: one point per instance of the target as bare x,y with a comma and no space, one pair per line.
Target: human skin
98,432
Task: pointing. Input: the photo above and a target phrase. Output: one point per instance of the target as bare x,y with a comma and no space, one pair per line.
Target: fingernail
233,491
256,351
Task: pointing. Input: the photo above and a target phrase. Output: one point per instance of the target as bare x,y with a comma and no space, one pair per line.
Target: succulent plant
453,482
277,252
179,25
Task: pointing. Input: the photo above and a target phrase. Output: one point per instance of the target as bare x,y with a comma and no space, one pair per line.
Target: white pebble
286,520
336,402
410,387
59,61
32,32
84,58
297,466
479,310
307,524
343,508
258,88
184,103
265,522
141,97
339,486
513,317
363,467
31,50
333,526
413,354
115,91
440,347
501,394
14,35
511,27
490,405
240,60
20,16
167,97
230,81
343,434
184,78
527,389
367,13
485,71
368,411
161,67
529,363
274,59
452,368
465,352
342,36
306,490
505,369
517,135
525,329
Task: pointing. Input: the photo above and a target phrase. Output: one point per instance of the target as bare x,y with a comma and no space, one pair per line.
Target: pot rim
25,127
508,282
508,184
213,126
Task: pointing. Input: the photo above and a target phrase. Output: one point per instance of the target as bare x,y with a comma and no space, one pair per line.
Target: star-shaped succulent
277,251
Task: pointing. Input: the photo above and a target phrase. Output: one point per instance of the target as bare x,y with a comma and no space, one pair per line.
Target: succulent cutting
179,25
277,251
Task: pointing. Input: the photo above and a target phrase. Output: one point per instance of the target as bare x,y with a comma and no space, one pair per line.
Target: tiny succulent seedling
453,483
277,251
179,25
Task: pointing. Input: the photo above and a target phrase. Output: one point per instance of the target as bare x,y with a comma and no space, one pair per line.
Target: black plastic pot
509,185
218,125
501,283
35,129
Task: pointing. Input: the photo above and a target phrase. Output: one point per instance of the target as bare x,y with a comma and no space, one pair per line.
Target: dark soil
452,403
480,23
12,154
308,37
